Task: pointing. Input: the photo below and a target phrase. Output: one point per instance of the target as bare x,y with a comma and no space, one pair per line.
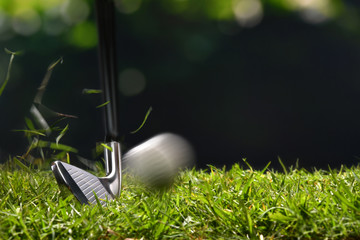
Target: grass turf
211,204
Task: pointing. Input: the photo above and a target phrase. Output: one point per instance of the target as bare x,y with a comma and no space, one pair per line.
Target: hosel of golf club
113,168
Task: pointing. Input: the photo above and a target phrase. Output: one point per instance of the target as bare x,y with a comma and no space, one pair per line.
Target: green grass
212,204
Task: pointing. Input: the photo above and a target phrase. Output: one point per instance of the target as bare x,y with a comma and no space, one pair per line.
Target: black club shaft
105,18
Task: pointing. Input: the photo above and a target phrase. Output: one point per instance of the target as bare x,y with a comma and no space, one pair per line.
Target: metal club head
85,185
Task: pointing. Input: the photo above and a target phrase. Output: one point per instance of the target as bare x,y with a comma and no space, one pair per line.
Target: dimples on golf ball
156,161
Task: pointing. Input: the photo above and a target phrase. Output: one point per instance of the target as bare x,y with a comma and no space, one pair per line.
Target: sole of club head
83,185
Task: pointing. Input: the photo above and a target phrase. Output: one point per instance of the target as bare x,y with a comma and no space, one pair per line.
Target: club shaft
105,18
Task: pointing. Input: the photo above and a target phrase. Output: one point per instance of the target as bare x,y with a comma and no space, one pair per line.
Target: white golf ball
157,160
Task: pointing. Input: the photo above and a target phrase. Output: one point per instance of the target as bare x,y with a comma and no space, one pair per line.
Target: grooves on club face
84,186
81,183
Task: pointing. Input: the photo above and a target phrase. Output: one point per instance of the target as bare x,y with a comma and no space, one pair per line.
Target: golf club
86,187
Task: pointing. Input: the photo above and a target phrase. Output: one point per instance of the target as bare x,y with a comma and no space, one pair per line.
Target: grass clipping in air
211,204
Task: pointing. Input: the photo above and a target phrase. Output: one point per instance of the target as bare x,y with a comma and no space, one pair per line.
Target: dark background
287,87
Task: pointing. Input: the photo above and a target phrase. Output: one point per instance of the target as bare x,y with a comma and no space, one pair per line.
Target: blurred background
254,79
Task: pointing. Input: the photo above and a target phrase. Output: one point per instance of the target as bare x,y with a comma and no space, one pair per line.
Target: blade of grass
55,146
2,88
45,82
29,123
91,91
62,133
31,132
265,168
283,166
144,121
21,165
103,105
107,147
246,162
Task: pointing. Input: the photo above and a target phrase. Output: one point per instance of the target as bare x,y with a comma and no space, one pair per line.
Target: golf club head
156,161
84,186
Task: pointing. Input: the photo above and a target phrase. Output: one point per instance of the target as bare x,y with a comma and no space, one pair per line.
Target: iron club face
85,185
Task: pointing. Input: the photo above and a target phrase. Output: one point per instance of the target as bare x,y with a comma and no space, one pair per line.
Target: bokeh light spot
313,16
313,11
84,35
75,11
26,22
248,13
221,10
53,25
131,82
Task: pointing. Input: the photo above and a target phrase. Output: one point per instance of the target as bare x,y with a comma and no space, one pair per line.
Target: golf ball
157,160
